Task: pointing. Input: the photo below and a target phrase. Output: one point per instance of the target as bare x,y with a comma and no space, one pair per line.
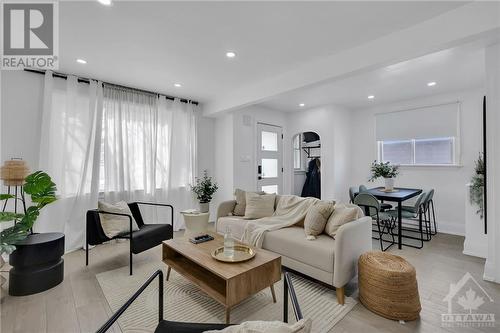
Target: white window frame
455,154
301,157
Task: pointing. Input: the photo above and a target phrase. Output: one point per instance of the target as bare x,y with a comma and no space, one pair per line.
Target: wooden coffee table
227,283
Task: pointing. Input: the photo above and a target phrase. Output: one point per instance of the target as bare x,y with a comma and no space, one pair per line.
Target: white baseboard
475,250
451,228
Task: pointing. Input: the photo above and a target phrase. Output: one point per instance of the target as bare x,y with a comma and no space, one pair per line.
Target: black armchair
165,326
148,235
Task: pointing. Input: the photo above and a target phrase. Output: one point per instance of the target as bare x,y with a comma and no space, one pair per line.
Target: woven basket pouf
388,286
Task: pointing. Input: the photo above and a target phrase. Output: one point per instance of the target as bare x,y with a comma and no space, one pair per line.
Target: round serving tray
241,253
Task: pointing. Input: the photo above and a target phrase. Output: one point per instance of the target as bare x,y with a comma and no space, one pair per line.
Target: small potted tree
204,189
385,170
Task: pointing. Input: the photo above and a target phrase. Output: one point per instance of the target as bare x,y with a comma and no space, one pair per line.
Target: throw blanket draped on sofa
290,210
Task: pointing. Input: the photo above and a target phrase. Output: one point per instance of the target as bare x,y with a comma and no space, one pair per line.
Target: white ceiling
152,45
453,69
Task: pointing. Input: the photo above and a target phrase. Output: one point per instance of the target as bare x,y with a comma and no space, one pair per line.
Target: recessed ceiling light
302,105
81,61
105,2
230,54
371,97
177,85
430,84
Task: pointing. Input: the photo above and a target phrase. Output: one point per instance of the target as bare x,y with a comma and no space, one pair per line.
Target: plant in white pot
385,170
204,189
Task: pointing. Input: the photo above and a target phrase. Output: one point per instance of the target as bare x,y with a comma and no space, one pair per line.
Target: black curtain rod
87,80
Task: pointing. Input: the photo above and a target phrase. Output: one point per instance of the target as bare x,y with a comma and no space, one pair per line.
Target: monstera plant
42,191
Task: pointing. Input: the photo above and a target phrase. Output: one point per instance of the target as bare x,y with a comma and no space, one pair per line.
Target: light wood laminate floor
78,304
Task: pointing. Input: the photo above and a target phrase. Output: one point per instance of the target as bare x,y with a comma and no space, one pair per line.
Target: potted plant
476,188
204,189
385,170
40,187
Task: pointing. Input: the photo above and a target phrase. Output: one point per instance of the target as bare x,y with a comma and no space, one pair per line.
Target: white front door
269,158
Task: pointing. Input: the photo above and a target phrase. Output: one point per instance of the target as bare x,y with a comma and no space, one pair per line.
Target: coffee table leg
228,314
273,293
168,272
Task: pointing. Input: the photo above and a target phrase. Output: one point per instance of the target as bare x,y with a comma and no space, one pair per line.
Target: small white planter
389,184
204,207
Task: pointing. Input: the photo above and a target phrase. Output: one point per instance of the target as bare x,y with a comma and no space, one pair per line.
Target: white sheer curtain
148,151
71,111
116,143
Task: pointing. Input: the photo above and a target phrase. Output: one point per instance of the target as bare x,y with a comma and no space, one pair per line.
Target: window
435,151
297,153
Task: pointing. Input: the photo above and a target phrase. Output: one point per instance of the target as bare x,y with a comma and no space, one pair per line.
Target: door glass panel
269,168
269,141
270,189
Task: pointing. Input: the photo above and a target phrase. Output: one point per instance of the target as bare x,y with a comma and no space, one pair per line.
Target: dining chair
430,210
371,206
383,206
417,212
352,193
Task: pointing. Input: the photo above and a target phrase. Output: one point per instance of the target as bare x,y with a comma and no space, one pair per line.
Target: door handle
259,172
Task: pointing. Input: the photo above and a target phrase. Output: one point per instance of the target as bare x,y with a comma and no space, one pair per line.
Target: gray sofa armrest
352,240
225,208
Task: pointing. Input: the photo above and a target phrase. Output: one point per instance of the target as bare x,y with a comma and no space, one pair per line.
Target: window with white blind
423,136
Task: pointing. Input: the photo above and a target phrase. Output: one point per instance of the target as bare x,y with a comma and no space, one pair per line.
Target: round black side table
36,264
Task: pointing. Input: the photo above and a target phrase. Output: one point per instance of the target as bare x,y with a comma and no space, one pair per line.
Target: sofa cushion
342,214
316,218
290,242
240,197
114,225
259,206
235,223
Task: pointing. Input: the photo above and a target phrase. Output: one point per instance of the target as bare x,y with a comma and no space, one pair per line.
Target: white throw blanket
290,210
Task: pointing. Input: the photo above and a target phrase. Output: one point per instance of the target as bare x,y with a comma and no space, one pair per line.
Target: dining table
398,195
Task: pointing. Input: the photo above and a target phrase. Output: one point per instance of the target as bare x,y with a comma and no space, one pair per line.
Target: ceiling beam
463,24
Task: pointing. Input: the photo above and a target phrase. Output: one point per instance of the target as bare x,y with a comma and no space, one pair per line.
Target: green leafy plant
205,188
42,191
476,190
384,170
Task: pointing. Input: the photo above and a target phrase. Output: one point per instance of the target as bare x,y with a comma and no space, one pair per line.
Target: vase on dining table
389,184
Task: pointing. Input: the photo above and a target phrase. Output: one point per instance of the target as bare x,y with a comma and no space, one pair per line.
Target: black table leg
399,226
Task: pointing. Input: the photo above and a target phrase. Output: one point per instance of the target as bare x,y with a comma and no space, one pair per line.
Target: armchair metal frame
129,234
288,289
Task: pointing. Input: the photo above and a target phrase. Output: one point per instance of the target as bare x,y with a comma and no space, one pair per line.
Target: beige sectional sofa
329,260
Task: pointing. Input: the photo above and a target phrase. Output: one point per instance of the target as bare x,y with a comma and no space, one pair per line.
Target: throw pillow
302,326
113,225
316,218
342,214
258,206
240,196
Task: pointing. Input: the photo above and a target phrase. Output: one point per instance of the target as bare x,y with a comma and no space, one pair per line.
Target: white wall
449,182
333,124
21,108
245,143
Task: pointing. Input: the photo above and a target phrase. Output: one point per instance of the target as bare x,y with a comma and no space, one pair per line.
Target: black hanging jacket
312,186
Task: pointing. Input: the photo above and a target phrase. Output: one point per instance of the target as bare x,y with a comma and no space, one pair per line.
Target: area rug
185,302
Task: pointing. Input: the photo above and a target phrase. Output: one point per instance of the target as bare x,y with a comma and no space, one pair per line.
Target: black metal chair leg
130,257
86,247
434,217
